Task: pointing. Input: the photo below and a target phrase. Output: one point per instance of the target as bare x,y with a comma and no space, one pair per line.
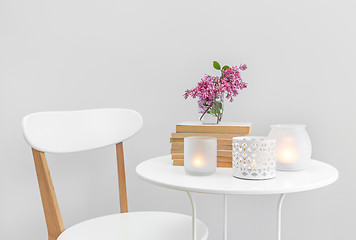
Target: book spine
179,146
219,159
227,136
220,141
220,153
212,129
219,164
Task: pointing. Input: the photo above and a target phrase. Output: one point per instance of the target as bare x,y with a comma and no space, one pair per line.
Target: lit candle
200,155
197,162
287,155
254,157
293,146
285,151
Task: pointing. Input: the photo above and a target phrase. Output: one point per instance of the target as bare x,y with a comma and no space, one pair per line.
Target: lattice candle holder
254,157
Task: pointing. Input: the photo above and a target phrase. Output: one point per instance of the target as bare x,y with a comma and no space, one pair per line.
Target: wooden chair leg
49,201
122,178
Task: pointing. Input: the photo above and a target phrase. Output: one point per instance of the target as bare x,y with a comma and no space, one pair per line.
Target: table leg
225,217
280,215
194,213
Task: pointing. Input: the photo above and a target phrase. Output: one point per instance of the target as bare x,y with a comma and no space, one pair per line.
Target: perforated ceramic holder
254,157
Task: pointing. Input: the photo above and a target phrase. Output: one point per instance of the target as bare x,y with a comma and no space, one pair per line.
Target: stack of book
224,132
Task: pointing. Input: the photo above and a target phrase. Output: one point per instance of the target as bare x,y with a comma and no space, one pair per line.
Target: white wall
82,54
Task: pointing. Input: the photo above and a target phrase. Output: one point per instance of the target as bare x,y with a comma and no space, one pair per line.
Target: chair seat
136,226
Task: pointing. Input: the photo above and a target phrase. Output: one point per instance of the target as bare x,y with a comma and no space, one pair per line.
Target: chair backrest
74,131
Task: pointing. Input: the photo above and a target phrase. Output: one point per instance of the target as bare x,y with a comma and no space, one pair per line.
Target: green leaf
213,111
225,67
216,65
204,104
220,105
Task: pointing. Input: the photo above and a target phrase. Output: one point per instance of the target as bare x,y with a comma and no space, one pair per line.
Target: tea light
254,157
293,146
200,155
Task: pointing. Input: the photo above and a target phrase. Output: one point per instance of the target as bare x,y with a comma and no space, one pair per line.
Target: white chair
74,131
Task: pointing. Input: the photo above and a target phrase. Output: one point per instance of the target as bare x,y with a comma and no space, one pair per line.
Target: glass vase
211,111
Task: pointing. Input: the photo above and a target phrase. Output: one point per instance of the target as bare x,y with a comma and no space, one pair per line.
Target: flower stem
208,108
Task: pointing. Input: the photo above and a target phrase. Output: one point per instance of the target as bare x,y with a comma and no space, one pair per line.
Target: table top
160,171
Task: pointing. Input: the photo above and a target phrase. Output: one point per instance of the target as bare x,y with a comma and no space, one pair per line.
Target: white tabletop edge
331,181
303,187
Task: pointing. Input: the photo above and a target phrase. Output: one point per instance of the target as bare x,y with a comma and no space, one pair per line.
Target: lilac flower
243,67
210,87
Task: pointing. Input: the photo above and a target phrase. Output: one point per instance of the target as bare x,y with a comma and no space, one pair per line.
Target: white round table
160,171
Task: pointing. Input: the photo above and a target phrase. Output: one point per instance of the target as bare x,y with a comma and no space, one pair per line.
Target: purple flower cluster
210,87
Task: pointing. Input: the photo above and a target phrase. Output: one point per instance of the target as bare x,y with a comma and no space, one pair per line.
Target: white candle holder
293,146
254,157
200,155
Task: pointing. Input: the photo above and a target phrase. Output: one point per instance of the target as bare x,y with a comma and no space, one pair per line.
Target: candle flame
197,162
287,155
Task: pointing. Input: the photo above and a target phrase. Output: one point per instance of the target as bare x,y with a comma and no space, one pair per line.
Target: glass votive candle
200,155
293,146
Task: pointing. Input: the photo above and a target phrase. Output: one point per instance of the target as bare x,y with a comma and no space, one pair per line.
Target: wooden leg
49,200
122,178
